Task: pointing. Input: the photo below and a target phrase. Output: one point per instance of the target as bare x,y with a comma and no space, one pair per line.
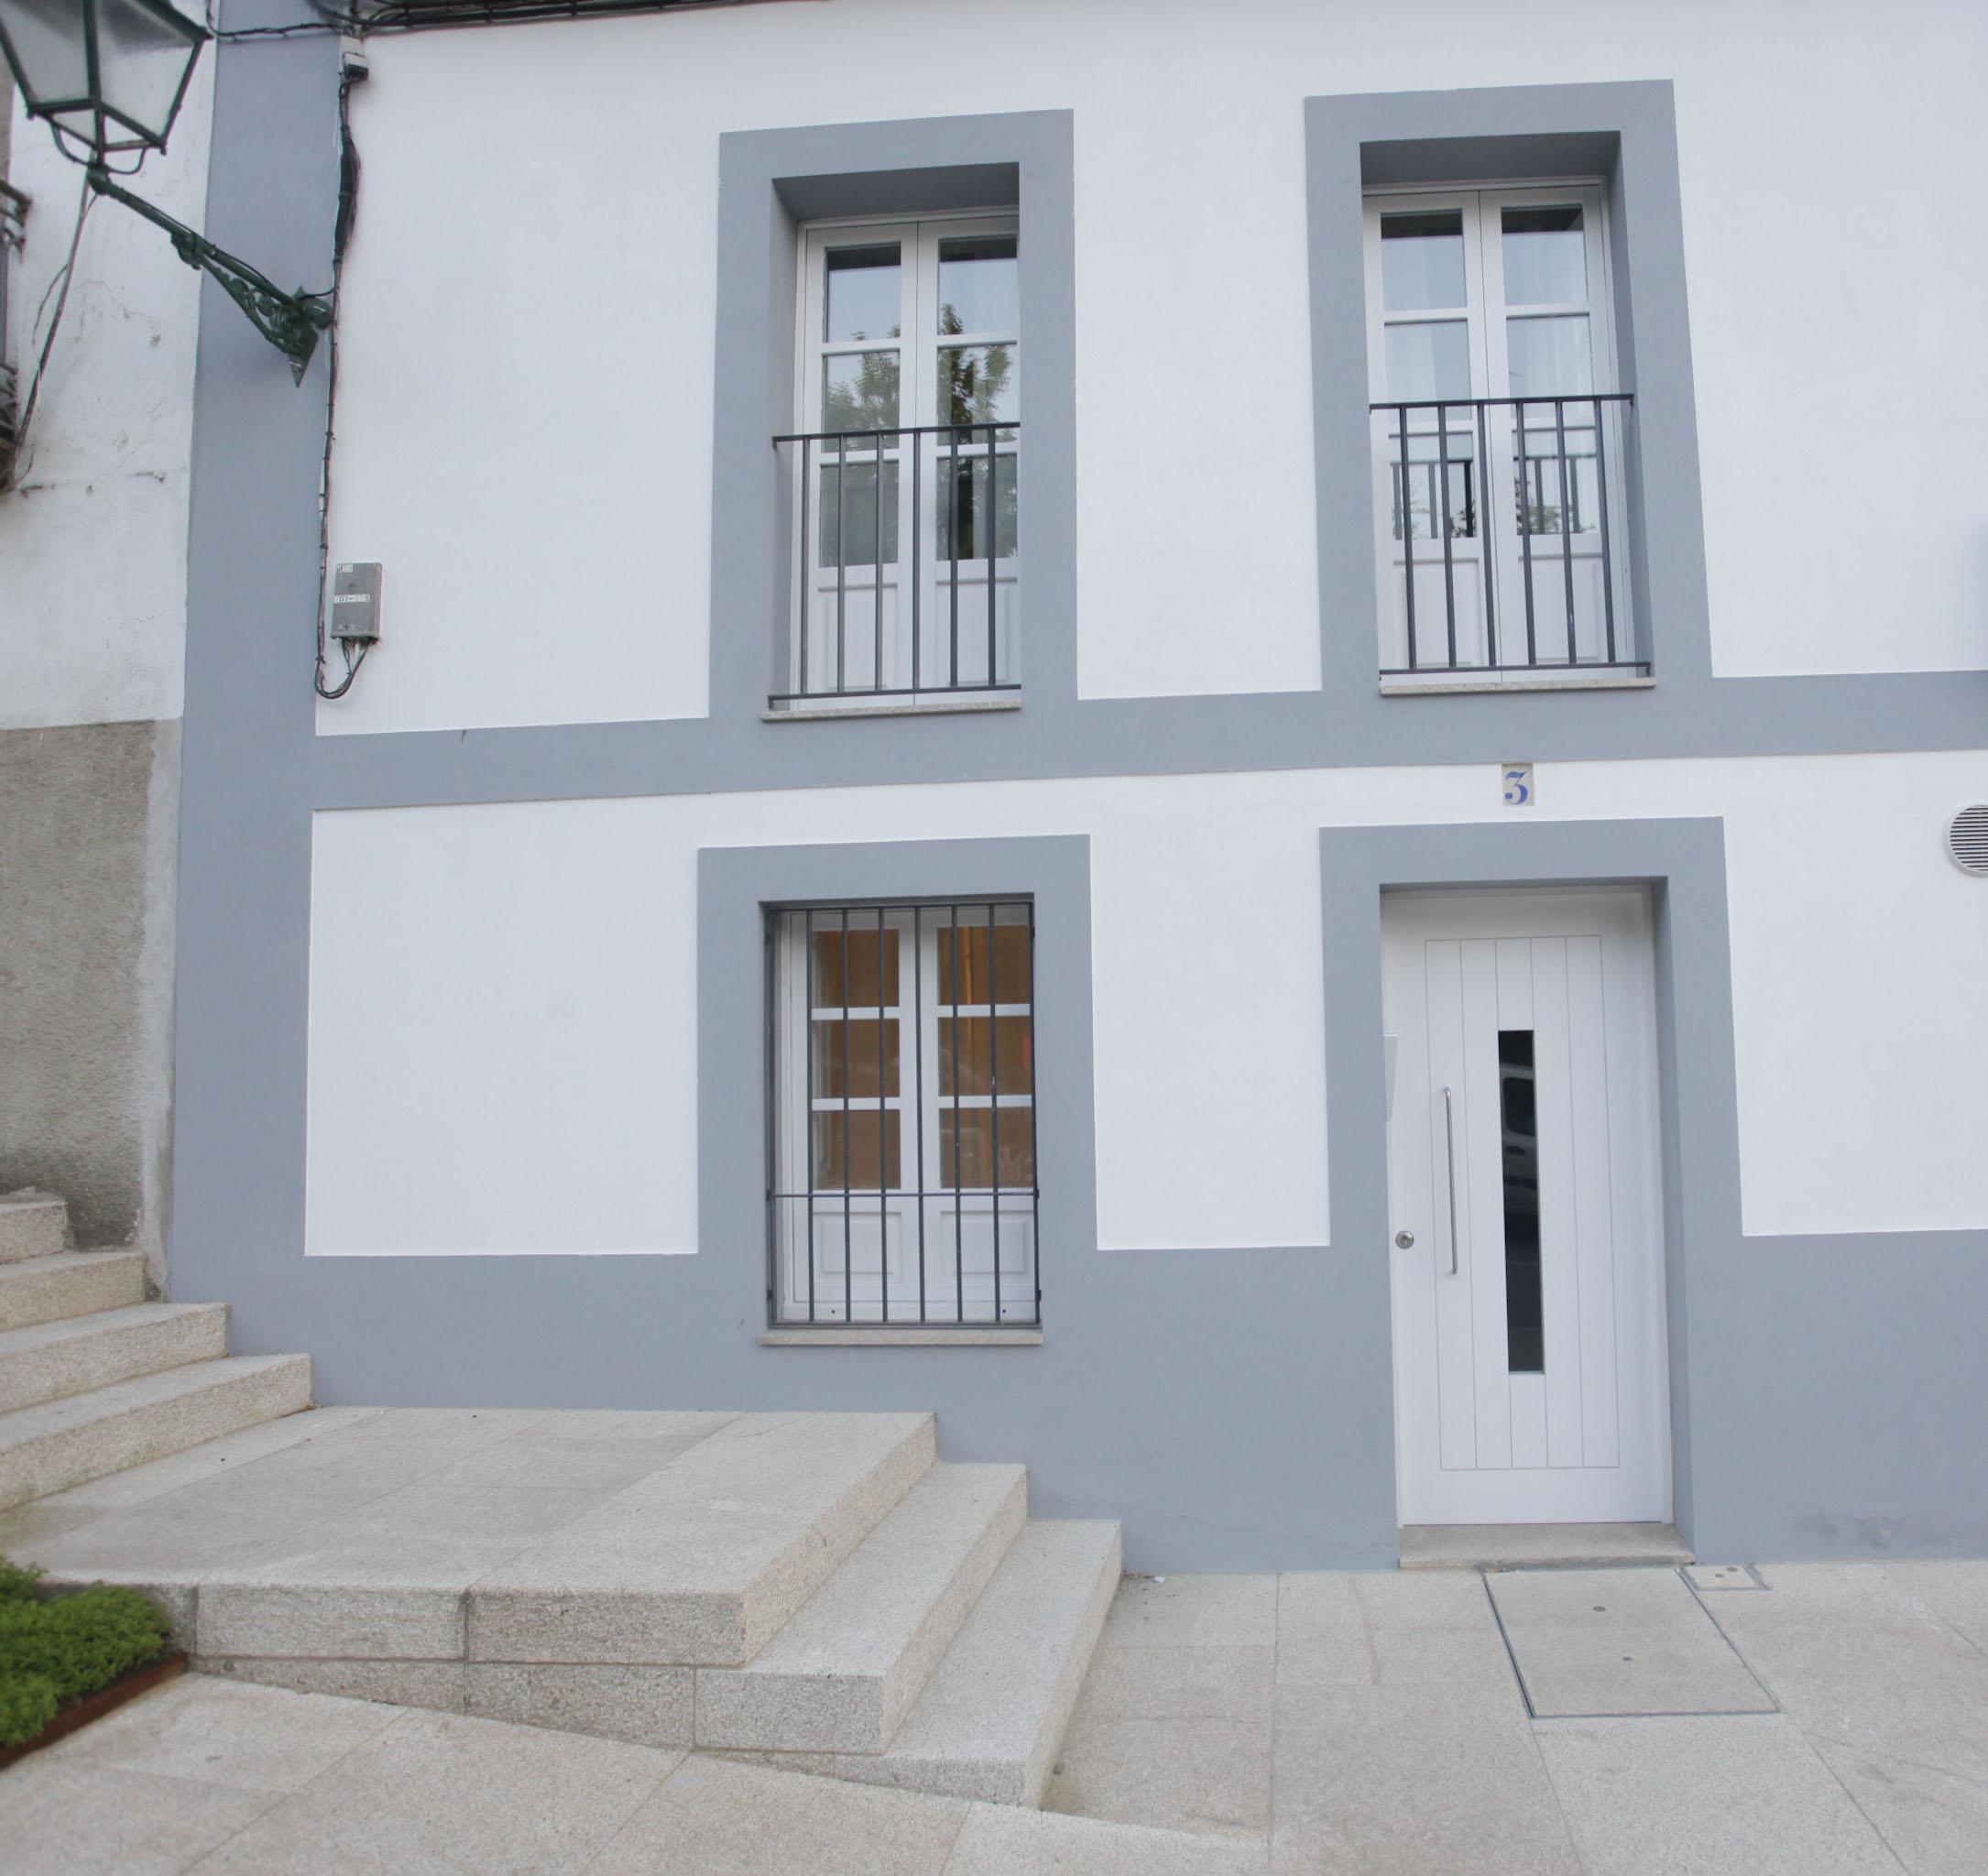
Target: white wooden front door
1530,1376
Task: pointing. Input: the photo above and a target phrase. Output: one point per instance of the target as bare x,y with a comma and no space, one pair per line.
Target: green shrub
56,1649
27,1705
18,1581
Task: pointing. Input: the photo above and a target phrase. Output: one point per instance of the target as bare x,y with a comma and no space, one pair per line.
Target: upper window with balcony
1499,437
903,469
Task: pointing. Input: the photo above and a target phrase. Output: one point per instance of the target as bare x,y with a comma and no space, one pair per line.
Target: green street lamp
108,77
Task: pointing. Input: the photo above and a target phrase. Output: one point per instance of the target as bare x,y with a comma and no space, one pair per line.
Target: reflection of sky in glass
978,292
1421,261
1548,357
863,292
1545,257
1428,359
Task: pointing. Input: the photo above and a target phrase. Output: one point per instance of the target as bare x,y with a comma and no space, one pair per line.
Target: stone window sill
880,1337
951,706
1530,686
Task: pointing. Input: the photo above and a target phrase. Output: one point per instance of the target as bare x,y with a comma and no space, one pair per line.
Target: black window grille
901,1103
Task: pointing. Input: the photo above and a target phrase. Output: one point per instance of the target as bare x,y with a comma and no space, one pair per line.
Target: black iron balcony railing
1503,550
886,603
13,218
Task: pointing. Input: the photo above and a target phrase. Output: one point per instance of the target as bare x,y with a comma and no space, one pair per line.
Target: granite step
62,1443
991,1719
47,1288
32,1224
51,1361
703,1562
841,1676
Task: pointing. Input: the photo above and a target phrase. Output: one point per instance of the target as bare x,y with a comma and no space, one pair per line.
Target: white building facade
1237,743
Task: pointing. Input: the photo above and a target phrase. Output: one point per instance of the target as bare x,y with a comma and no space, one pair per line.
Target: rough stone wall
88,815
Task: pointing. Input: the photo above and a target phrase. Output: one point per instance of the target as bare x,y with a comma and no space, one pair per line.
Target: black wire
63,279
348,209
400,16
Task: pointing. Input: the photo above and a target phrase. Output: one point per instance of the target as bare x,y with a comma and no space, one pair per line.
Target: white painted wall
524,424
504,997
93,542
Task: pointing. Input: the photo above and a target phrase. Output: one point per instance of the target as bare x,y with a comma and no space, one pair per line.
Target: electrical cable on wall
10,469
348,208
427,16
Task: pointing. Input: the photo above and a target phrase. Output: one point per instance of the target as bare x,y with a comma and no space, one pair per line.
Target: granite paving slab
1706,1792
1620,1641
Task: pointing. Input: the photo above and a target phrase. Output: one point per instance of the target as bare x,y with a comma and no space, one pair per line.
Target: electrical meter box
356,602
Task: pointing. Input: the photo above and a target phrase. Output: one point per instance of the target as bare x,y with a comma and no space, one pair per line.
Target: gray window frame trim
1625,133
737,887
770,183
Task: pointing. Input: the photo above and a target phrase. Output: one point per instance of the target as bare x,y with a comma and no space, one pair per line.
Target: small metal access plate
356,587
1723,1577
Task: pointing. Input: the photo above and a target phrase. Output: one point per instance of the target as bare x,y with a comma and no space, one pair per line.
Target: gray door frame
1682,864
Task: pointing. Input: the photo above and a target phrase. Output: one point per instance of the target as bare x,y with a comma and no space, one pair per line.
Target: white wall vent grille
1967,840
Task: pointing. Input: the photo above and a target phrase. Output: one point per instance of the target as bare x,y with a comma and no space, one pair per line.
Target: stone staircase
93,1378
814,1591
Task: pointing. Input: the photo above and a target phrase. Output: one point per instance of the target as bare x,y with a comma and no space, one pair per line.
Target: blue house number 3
1518,784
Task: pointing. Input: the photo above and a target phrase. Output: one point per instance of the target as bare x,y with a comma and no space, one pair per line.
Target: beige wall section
87,846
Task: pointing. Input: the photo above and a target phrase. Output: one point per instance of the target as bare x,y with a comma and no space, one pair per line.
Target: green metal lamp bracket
291,321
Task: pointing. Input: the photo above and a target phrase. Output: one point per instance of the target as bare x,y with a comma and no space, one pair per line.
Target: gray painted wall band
1155,735
1233,1406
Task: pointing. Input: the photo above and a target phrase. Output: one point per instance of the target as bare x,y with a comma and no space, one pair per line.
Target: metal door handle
1449,1158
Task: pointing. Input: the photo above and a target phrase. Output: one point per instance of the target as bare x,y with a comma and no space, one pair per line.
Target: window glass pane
978,383
858,1058
1559,479
864,1168
1548,357
965,486
1432,454
859,391
966,1146
863,986
864,290
968,944
965,1066
1545,257
1429,358
1422,261
1526,1348
980,285
857,506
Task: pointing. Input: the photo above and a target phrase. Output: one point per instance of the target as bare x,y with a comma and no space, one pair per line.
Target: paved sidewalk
228,1779
1806,1718
1809,1718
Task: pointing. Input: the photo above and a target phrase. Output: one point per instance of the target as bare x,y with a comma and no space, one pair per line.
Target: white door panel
1528,1307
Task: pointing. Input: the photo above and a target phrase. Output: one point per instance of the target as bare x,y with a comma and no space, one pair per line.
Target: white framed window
902,1084
1498,430
905,462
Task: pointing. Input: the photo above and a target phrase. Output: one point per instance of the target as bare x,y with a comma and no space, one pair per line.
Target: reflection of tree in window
870,400
975,382
973,379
